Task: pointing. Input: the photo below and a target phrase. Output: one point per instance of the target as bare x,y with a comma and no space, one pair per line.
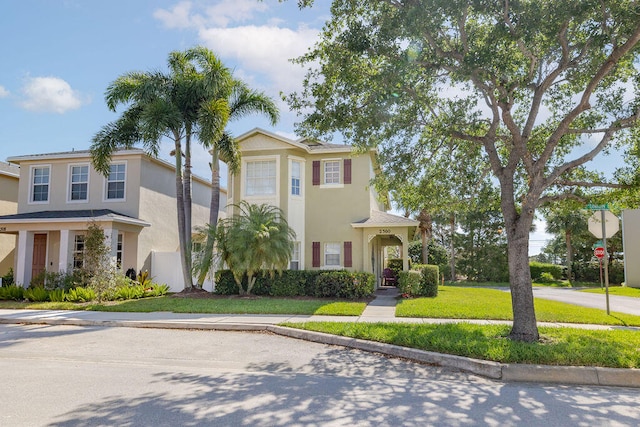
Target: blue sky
60,55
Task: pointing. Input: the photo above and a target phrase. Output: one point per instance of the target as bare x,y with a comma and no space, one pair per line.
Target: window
119,250
116,181
295,178
332,172
295,257
79,183
261,178
40,184
332,254
78,251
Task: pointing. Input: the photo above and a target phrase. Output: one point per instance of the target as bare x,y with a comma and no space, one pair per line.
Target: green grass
559,346
617,290
479,303
255,305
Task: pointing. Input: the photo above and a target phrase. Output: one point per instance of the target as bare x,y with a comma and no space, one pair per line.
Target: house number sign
384,231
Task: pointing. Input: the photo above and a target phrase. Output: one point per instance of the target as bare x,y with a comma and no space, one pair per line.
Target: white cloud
3,92
50,94
264,50
183,15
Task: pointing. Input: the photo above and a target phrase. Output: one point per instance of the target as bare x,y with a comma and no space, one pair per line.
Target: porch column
21,262
65,251
405,251
111,240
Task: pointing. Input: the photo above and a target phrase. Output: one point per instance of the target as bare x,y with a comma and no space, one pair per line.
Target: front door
39,263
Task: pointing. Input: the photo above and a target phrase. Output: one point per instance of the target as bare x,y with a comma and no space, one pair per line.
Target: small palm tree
259,238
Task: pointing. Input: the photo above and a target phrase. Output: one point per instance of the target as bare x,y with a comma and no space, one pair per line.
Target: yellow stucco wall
631,244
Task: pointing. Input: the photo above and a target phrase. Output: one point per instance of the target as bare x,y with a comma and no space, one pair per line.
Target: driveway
93,376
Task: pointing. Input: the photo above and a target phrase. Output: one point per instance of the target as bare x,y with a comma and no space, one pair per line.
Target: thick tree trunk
214,209
524,317
567,237
426,231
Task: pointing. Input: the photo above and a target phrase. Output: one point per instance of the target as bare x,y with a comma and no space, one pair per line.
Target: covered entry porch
380,231
53,241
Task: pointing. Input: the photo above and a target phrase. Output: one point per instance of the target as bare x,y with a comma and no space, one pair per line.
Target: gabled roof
307,144
73,216
384,219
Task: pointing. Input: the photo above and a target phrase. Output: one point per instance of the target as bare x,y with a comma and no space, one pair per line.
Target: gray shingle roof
379,218
103,214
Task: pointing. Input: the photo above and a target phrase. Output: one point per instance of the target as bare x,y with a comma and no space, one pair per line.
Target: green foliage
98,264
81,294
538,268
546,277
57,295
12,292
438,254
341,284
36,294
156,290
257,237
409,282
430,280
7,279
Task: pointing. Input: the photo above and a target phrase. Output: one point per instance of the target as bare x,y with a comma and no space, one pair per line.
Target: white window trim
302,172
298,245
74,251
31,172
243,178
324,257
323,183
105,187
69,183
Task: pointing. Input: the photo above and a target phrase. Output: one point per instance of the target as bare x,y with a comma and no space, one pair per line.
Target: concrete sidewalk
381,309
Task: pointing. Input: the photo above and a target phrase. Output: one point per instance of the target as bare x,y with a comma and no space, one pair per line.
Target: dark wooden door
39,263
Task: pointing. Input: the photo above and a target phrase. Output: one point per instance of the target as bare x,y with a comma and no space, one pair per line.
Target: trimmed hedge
537,268
423,282
396,265
292,283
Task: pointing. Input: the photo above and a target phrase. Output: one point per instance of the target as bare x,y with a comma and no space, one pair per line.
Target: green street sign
595,207
597,244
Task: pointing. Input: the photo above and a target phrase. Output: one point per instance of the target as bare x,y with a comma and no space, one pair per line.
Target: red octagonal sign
599,252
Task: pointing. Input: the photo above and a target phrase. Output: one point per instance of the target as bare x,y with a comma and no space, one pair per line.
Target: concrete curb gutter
577,375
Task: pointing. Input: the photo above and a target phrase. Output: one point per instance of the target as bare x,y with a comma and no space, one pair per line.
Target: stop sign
599,252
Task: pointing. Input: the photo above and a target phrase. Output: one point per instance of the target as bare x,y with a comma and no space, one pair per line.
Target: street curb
575,375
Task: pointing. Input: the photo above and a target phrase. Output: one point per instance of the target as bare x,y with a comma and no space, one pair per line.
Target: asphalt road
620,304
82,376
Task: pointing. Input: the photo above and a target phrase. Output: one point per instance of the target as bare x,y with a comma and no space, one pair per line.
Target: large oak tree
542,86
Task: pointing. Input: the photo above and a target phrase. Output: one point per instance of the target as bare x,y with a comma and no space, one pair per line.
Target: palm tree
165,105
242,102
259,238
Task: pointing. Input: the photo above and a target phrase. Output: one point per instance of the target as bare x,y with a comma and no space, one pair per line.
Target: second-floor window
79,183
261,178
40,184
116,181
295,178
332,172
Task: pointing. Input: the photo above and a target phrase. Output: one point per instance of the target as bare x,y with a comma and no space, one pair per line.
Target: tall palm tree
164,105
569,222
259,238
242,102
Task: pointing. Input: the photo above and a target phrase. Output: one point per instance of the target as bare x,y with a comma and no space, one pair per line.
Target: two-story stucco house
326,194
9,175
60,194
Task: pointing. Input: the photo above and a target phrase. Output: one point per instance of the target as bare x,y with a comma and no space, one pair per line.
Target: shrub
57,295
81,294
12,292
7,279
156,290
546,277
430,280
36,294
344,284
537,268
409,282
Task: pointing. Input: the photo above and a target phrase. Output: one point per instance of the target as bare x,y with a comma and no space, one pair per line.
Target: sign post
598,227
598,251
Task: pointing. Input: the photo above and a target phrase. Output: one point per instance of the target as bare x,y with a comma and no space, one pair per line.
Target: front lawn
559,346
480,303
230,305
